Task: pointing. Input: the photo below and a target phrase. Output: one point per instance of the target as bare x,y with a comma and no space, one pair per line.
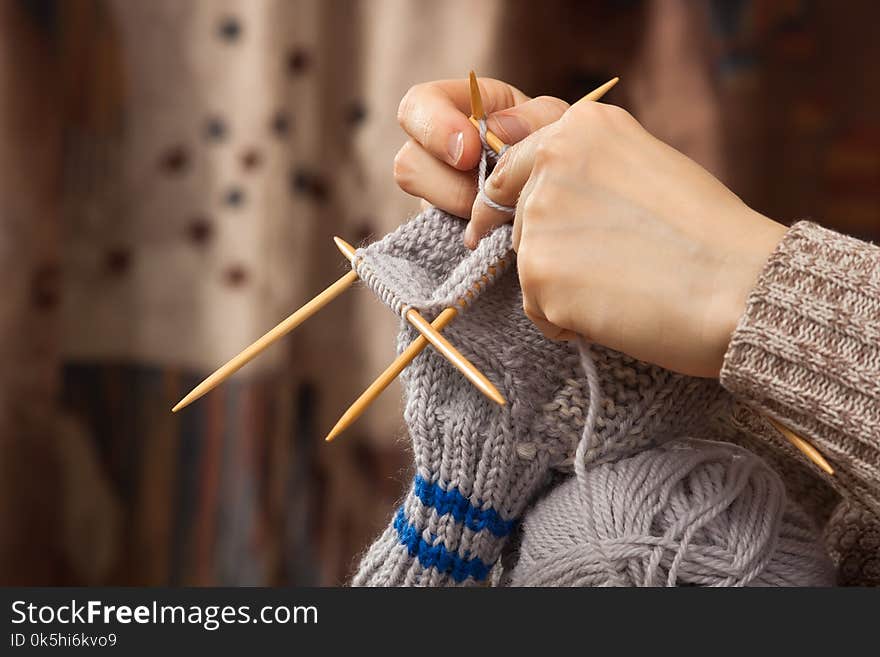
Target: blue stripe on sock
437,556
457,505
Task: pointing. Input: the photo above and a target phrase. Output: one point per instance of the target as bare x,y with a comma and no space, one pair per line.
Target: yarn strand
483,170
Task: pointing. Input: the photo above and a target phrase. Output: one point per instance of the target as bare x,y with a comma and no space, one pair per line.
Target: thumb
516,123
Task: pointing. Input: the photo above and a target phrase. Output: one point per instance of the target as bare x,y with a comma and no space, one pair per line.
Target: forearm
807,351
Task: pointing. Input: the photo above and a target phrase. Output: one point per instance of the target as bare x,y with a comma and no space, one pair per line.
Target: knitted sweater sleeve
807,351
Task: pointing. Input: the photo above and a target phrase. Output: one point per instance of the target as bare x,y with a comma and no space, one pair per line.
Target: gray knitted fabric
478,465
687,513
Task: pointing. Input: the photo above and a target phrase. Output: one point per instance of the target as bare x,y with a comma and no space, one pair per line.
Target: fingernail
510,128
495,178
470,236
455,147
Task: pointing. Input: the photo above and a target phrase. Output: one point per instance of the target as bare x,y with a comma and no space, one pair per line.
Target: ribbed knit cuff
438,537
807,350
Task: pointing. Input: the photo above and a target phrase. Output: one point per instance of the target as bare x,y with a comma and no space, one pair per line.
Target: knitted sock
478,464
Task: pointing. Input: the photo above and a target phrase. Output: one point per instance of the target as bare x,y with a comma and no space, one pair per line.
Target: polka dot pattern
355,113
229,29
199,231
235,276
251,159
46,287
281,124
309,183
234,197
216,129
117,261
299,60
175,160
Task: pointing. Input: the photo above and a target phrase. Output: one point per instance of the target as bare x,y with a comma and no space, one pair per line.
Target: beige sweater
807,352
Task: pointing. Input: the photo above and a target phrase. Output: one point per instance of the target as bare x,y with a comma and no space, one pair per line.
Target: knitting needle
392,372
808,450
369,395
477,110
440,343
255,349
400,363
478,113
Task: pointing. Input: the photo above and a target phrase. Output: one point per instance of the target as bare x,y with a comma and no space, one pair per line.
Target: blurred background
171,172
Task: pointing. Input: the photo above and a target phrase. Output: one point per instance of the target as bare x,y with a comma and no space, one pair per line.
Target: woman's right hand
444,146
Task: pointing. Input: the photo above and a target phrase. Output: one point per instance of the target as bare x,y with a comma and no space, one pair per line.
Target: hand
626,241
436,163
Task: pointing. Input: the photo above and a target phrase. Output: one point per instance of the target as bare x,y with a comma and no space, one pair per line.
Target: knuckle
556,315
496,180
535,203
530,309
616,114
403,109
553,104
544,154
409,103
526,273
531,268
403,169
583,112
463,200
551,150
604,113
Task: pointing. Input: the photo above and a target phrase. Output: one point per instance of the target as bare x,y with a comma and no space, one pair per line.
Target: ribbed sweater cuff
807,350
438,537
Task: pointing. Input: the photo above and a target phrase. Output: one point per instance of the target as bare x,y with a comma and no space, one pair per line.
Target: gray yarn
688,512
482,460
482,169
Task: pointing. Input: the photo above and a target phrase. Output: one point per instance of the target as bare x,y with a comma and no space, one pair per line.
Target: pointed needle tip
476,99
346,248
494,394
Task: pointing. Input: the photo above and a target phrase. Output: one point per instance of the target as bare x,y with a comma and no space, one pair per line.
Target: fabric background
172,173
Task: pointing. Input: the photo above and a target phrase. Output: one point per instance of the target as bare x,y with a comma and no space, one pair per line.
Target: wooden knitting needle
392,372
808,450
478,113
440,343
400,363
477,110
255,349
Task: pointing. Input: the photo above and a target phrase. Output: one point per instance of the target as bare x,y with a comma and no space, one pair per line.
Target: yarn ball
686,513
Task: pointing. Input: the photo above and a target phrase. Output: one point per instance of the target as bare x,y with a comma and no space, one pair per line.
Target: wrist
746,258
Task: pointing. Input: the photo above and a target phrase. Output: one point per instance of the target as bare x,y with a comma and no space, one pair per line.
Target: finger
553,332
516,123
419,173
548,329
435,115
503,187
521,207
